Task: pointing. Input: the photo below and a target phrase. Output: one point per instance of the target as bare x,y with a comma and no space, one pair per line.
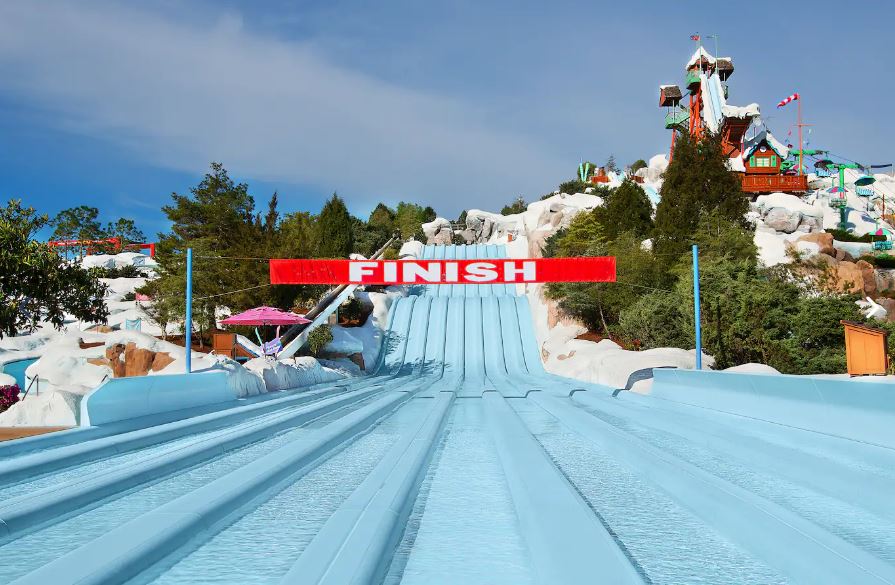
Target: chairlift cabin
865,180
886,242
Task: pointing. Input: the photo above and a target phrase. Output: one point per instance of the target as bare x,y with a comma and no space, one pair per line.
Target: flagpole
801,146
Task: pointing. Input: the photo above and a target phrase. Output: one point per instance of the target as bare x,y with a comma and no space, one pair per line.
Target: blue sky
454,104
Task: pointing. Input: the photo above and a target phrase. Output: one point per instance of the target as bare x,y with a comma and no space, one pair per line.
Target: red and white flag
694,37
785,101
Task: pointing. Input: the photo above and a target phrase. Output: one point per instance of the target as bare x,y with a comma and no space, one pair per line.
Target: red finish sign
484,271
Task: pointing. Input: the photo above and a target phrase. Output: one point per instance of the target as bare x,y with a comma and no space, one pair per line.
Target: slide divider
357,542
42,462
123,552
568,543
861,411
29,511
799,549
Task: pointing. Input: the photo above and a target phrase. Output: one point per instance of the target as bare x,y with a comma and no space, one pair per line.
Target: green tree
637,165
696,182
584,233
216,219
409,219
335,230
627,209
611,165
517,206
125,230
600,304
77,223
373,234
36,284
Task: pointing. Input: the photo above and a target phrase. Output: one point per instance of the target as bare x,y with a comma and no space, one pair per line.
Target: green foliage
76,223
373,234
696,182
638,164
335,230
351,310
611,165
599,304
571,187
882,261
626,209
318,338
517,206
584,233
409,218
125,230
847,236
36,284
126,271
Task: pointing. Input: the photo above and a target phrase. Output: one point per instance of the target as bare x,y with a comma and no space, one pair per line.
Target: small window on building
773,160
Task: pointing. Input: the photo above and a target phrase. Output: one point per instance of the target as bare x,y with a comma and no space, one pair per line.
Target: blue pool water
17,369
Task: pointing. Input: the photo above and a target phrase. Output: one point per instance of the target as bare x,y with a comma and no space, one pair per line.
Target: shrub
846,236
130,296
318,339
352,310
126,271
9,395
881,261
517,206
572,187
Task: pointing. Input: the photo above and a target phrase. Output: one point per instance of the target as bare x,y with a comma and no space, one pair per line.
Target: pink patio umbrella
265,316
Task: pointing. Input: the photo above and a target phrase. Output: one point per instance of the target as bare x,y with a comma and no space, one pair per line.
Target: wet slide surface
458,461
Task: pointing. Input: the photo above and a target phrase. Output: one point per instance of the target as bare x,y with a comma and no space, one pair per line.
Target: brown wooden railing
772,183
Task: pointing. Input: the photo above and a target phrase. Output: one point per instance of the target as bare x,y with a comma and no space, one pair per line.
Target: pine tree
335,233
125,230
696,182
611,164
216,219
627,209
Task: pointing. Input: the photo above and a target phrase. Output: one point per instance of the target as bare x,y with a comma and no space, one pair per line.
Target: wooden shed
865,349
724,66
669,96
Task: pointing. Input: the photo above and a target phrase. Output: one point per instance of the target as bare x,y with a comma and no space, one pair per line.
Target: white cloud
182,90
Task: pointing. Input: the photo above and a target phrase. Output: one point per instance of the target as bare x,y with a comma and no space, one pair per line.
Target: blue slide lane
459,459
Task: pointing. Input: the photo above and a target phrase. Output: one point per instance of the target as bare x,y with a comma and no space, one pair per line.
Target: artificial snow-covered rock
752,368
823,241
290,373
782,219
607,363
439,231
343,341
411,250
871,309
7,380
47,409
119,261
764,203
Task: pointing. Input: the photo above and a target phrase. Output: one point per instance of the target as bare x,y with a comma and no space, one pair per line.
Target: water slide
713,100
458,460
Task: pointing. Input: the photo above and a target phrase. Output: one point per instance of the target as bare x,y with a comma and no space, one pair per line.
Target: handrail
30,384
